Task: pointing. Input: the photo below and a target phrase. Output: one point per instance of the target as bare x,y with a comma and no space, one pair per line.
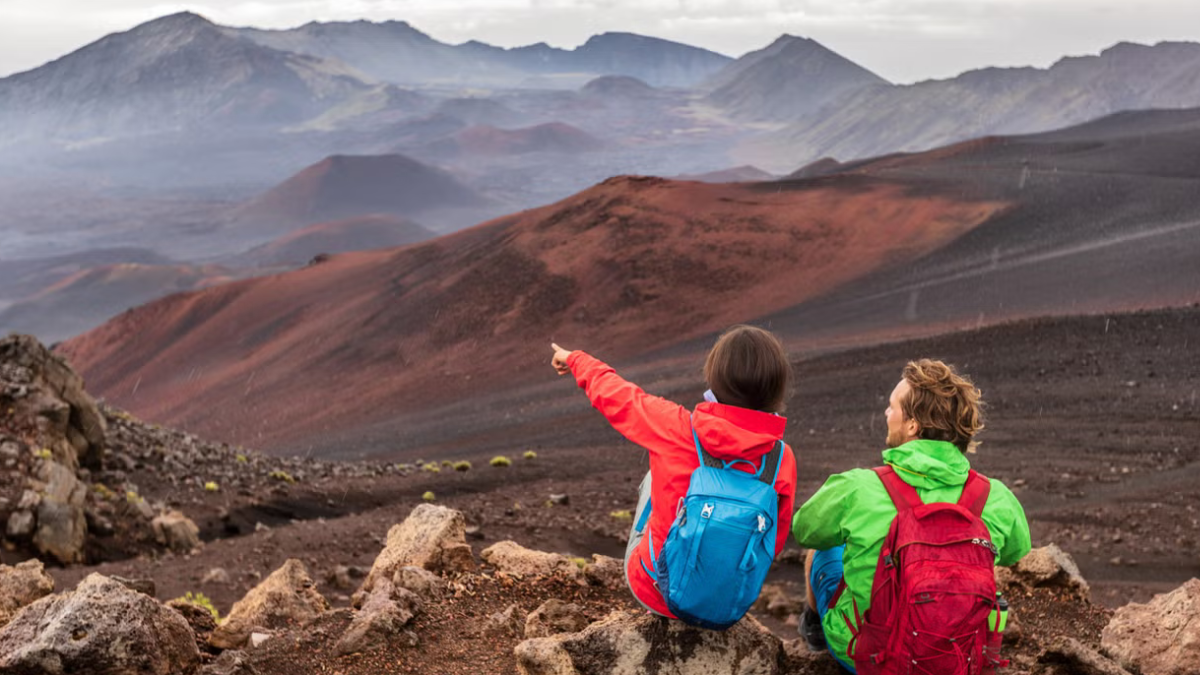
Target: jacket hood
730,432
929,464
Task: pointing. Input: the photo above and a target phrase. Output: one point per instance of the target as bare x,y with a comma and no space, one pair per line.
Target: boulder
176,531
61,522
605,571
507,623
381,621
43,391
1161,637
553,617
512,558
1071,657
21,585
1049,566
230,662
636,642
431,537
287,596
101,627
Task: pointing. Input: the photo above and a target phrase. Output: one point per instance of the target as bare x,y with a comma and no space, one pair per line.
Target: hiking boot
811,630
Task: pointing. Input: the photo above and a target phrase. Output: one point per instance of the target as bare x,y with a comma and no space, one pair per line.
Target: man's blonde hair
946,405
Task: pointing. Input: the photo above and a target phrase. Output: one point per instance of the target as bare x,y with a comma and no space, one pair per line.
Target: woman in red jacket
747,372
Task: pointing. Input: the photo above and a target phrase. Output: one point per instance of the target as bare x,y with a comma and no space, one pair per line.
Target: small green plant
44,453
621,515
446,463
580,562
500,461
280,474
432,468
133,497
462,466
211,486
529,454
242,459
200,600
104,493
429,496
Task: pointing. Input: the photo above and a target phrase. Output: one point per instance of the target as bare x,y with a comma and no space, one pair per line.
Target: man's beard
895,439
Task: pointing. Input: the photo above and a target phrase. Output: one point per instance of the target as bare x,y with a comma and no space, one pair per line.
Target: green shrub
200,600
621,515
428,496
529,454
103,491
211,486
500,461
44,453
242,459
447,463
462,466
132,497
280,474
432,468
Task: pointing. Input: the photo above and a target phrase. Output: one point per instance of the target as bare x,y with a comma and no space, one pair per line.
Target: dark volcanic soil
1093,421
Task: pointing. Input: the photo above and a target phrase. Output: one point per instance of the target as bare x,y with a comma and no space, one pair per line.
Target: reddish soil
352,234
636,262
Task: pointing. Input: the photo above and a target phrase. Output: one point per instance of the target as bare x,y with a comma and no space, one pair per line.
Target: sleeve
650,421
785,483
818,523
1011,522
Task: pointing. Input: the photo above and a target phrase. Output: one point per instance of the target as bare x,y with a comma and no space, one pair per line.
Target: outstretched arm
650,421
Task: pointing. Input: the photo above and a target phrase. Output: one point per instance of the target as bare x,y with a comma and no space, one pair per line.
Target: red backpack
934,588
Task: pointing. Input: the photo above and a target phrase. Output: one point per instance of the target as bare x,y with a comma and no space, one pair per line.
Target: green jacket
853,508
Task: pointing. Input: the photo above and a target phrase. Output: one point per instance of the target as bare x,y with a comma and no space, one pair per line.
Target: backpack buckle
707,510
762,523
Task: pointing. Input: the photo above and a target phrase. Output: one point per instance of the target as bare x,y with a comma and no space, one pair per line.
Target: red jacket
665,429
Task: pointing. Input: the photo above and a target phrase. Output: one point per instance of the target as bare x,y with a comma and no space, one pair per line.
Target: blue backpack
718,550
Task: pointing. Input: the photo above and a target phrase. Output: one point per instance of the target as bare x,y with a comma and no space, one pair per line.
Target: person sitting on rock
748,373
933,415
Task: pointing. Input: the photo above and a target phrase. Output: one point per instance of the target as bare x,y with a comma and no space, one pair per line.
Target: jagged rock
40,387
201,620
381,621
288,595
1046,566
1068,656
509,622
176,531
629,642
1161,637
553,617
230,662
61,523
100,627
21,585
424,583
512,558
432,537
605,571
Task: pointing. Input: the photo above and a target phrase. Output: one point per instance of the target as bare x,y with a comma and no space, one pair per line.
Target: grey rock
432,537
1071,657
424,583
230,662
20,525
605,571
61,522
100,627
176,531
1161,637
381,620
287,596
553,617
20,585
512,558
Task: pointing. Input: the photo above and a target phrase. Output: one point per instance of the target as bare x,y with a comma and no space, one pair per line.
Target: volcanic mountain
630,264
789,78
344,186
175,72
394,51
989,101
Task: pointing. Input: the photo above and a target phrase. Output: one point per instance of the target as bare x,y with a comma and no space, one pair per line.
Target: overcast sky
901,40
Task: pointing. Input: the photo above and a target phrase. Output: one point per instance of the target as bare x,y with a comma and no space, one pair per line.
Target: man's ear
912,428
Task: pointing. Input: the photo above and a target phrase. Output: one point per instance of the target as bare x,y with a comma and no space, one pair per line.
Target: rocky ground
1093,422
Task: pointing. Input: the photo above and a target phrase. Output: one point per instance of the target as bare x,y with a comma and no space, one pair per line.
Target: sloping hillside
633,263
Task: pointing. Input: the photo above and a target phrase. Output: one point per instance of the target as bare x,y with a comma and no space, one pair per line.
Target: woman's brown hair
946,405
749,368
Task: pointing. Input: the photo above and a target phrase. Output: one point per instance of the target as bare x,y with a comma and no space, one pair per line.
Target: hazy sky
902,40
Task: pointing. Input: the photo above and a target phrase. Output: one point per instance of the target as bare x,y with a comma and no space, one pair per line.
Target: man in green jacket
933,415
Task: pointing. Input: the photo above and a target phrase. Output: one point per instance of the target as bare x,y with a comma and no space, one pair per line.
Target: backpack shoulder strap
771,463
903,495
767,470
975,493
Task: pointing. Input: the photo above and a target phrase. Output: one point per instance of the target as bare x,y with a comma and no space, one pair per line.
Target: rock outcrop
512,558
41,389
287,596
100,627
61,521
381,620
20,585
1048,566
1161,637
432,537
176,531
630,642
553,617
